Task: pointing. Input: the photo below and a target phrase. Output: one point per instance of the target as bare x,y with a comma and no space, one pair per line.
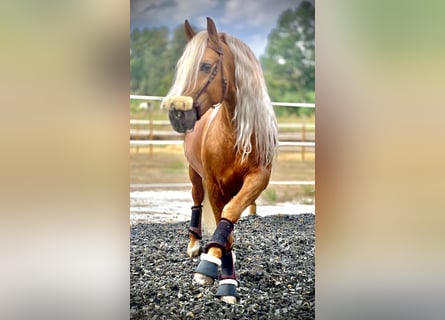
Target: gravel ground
275,267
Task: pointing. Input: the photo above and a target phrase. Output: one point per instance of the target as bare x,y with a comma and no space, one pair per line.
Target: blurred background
64,139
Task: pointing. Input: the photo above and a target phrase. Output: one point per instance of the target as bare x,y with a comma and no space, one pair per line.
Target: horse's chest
209,147
192,151
193,145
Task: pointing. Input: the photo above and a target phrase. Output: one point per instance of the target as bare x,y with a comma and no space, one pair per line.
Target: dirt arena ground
275,253
275,268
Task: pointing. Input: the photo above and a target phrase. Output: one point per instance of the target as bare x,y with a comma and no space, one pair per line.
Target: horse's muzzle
181,113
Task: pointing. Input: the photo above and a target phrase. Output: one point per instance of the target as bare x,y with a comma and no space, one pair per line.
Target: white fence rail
277,104
150,123
166,122
142,143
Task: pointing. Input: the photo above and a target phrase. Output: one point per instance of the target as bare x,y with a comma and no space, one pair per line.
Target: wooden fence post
303,138
150,136
137,136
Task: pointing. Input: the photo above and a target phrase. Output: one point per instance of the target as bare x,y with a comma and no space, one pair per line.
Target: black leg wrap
195,221
227,266
220,236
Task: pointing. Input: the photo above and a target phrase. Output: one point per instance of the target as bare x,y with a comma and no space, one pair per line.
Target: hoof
229,299
193,250
202,279
227,291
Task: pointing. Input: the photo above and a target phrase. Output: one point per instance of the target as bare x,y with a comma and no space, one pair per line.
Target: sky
249,20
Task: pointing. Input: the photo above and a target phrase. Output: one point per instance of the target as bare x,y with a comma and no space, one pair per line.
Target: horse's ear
211,30
189,32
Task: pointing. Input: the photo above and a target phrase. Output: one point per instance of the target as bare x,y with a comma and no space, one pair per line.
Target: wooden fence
292,136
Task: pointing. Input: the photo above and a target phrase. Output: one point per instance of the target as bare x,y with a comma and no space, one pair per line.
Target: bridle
212,76
184,120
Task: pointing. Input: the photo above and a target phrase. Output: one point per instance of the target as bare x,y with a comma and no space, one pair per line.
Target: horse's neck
227,113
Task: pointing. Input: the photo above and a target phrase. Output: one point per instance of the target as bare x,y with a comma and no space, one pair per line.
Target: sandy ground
168,164
174,206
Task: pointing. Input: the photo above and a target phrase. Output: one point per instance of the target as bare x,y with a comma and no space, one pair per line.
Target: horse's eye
205,67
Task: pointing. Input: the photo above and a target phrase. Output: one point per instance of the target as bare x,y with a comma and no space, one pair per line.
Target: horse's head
204,79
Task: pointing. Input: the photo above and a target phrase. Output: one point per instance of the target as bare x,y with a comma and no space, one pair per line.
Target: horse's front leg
254,183
195,235
218,251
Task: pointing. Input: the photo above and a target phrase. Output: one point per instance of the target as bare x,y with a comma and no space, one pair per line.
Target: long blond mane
254,117
187,67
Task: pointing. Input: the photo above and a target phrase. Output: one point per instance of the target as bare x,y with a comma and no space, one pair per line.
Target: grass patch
302,194
308,190
270,195
176,166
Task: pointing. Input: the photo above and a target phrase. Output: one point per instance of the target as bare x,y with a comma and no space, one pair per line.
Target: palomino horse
219,100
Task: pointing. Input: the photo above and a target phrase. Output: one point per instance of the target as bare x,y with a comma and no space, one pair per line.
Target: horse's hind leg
193,248
252,208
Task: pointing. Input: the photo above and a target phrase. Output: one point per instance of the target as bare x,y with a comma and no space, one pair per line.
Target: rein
212,76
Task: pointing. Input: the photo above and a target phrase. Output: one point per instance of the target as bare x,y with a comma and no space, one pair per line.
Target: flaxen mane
254,112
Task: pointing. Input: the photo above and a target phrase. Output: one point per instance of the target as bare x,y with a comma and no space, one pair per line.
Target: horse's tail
208,222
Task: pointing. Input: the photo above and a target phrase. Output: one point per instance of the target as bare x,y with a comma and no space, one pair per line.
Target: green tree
153,59
146,65
171,56
289,60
